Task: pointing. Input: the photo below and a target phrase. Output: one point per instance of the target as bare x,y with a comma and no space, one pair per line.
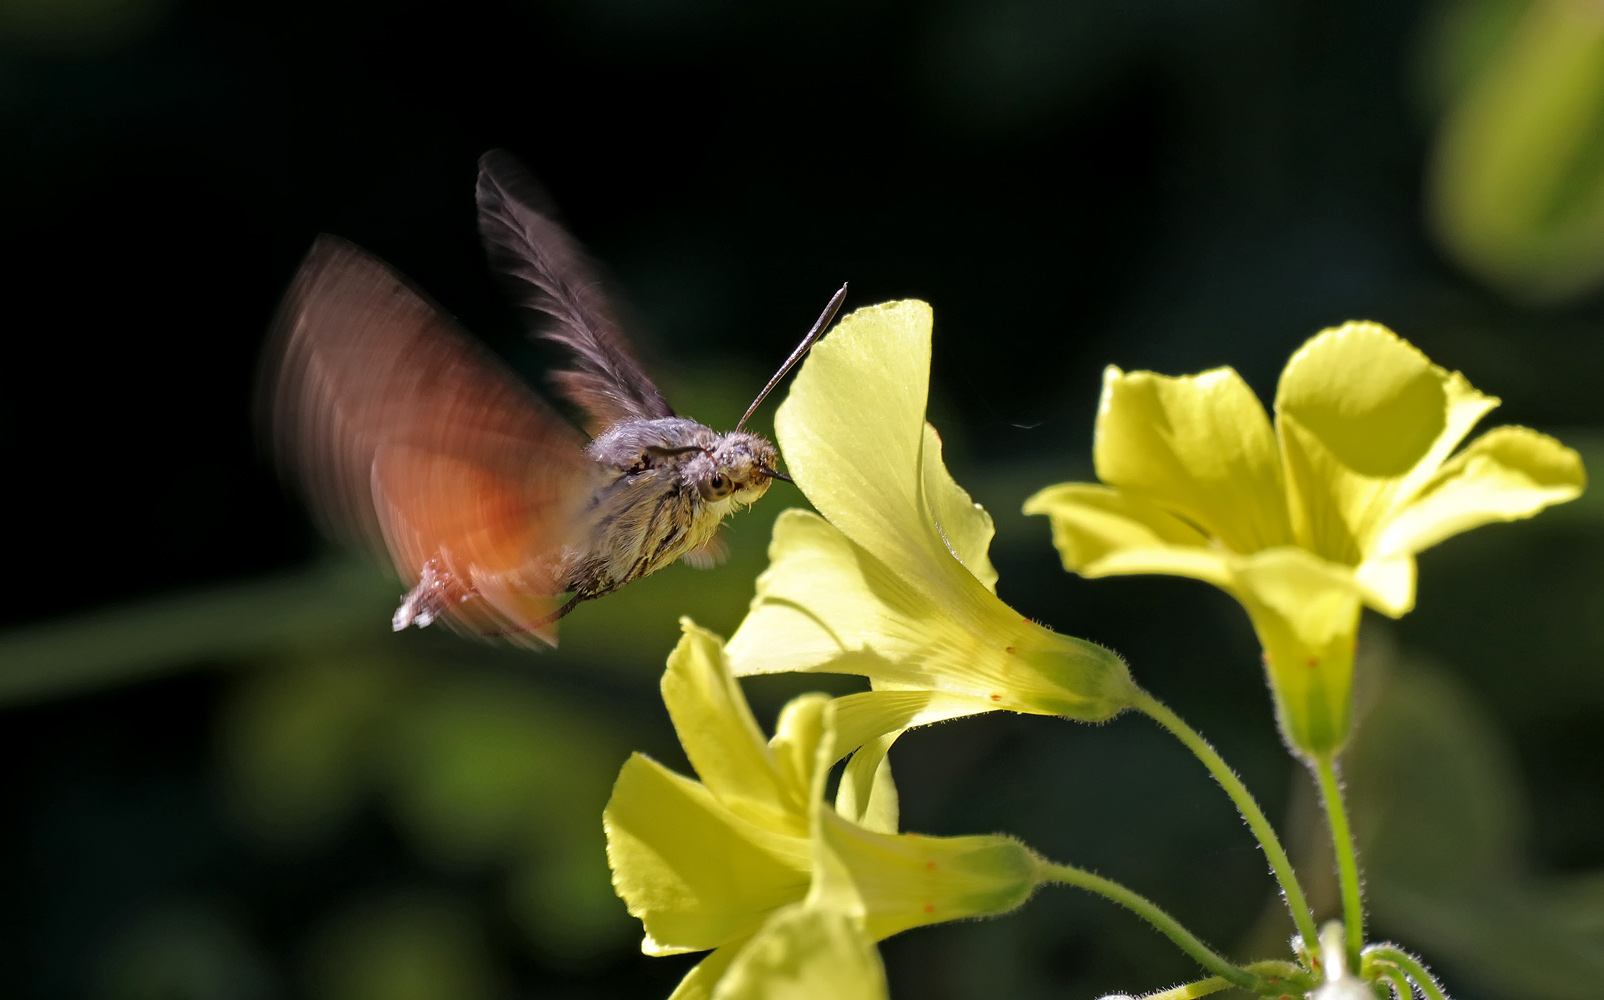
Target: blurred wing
407,436
553,282
710,553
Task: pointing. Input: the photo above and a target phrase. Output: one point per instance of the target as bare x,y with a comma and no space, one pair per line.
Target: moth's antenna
796,355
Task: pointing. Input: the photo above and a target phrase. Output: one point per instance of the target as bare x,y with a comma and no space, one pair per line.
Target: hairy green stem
1288,977
1353,914
1401,990
1412,967
1191,991
1280,864
1275,973
1150,912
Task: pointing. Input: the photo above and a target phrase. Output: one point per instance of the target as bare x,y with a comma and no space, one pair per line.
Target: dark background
1163,185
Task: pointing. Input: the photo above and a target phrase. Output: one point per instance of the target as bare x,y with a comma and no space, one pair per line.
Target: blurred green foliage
405,947
183,950
1444,823
480,772
1517,186
78,26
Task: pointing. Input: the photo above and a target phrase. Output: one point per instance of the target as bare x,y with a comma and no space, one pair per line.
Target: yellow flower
1305,522
893,582
751,863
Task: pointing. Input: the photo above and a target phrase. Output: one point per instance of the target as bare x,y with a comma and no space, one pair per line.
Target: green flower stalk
1305,522
750,862
894,582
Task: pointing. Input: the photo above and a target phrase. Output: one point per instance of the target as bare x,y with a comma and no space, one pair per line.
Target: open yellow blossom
1305,522
893,582
750,862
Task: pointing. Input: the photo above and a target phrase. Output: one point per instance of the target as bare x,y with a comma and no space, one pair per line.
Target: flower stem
1274,973
1411,966
1149,911
1399,983
1288,977
1191,991
1353,915
1280,864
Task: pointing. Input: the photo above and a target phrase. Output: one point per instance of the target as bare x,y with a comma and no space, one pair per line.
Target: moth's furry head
739,467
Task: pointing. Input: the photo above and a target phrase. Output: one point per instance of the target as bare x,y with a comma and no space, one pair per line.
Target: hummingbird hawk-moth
408,436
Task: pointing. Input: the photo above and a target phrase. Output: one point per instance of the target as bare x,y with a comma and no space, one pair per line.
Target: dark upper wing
406,435
553,281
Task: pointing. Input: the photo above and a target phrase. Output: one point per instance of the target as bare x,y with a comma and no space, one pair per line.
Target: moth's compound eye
716,487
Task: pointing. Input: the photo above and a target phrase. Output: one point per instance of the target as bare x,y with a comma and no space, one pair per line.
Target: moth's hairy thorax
667,485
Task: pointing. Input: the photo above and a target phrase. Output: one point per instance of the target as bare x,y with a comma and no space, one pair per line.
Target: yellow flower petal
799,735
852,430
702,980
867,795
1200,446
694,873
828,925
856,719
964,525
1102,532
1387,584
896,881
906,880
805,953
1306,613
869,723
1365,420
826,604
1506,474
722,739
